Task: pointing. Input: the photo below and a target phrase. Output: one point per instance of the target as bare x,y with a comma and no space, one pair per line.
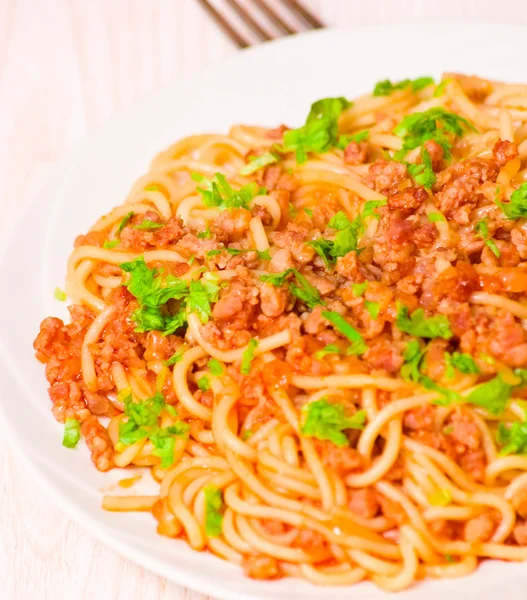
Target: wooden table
65,67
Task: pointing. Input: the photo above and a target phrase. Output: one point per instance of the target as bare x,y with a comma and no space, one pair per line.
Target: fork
261,18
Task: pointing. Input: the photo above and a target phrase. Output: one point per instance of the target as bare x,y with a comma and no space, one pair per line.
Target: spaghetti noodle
315,338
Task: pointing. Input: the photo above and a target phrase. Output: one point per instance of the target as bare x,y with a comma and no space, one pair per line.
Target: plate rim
83,518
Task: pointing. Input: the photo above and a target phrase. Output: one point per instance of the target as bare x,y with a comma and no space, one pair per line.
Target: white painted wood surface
65,67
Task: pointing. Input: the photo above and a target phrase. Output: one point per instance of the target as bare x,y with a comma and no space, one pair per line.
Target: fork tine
238,39
247,18
308,16
278,22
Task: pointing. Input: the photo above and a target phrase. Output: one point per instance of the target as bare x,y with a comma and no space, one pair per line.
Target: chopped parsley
72,433
516,208
142,423
320,132
386,87
424,173
359,289
148,224
327,421
153,187
248,356
203,384
483,230
276,279
329,349
259,162
373,308
302,289
176,357
348,233
246,434
420,326
218,192
358,345
492,395
435,217
346,138
110,244
204,235
413,355
441,88
308,212
59,294
513,439
124,222
153,291
215,367
214,509
262,254
436,124
464,363
446,395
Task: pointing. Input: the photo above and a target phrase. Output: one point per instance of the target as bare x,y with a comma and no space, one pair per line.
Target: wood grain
65,67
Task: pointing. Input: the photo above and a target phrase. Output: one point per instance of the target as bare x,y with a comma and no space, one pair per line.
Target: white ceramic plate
268,85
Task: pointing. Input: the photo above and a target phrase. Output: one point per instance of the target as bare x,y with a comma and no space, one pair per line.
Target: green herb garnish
358,345
72,433
327,421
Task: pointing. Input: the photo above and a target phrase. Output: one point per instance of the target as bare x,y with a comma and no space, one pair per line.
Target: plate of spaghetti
292,355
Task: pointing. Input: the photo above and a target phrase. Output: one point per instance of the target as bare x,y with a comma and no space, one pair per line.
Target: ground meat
277,133
94,238
324,285
275,178
384,355
281,261
519,533
456,282
68,401
234,223
393,250
198,247
309,541
356,153
293,233
479,529
141,239
392,510
466,439
421,418
436,152
348,267
260,567
97,404
364,502
273,300
425,236
341,460
98,441
497,333
237,305
504,151
453,196
386,176
262,212
475,88
458,194
408,200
